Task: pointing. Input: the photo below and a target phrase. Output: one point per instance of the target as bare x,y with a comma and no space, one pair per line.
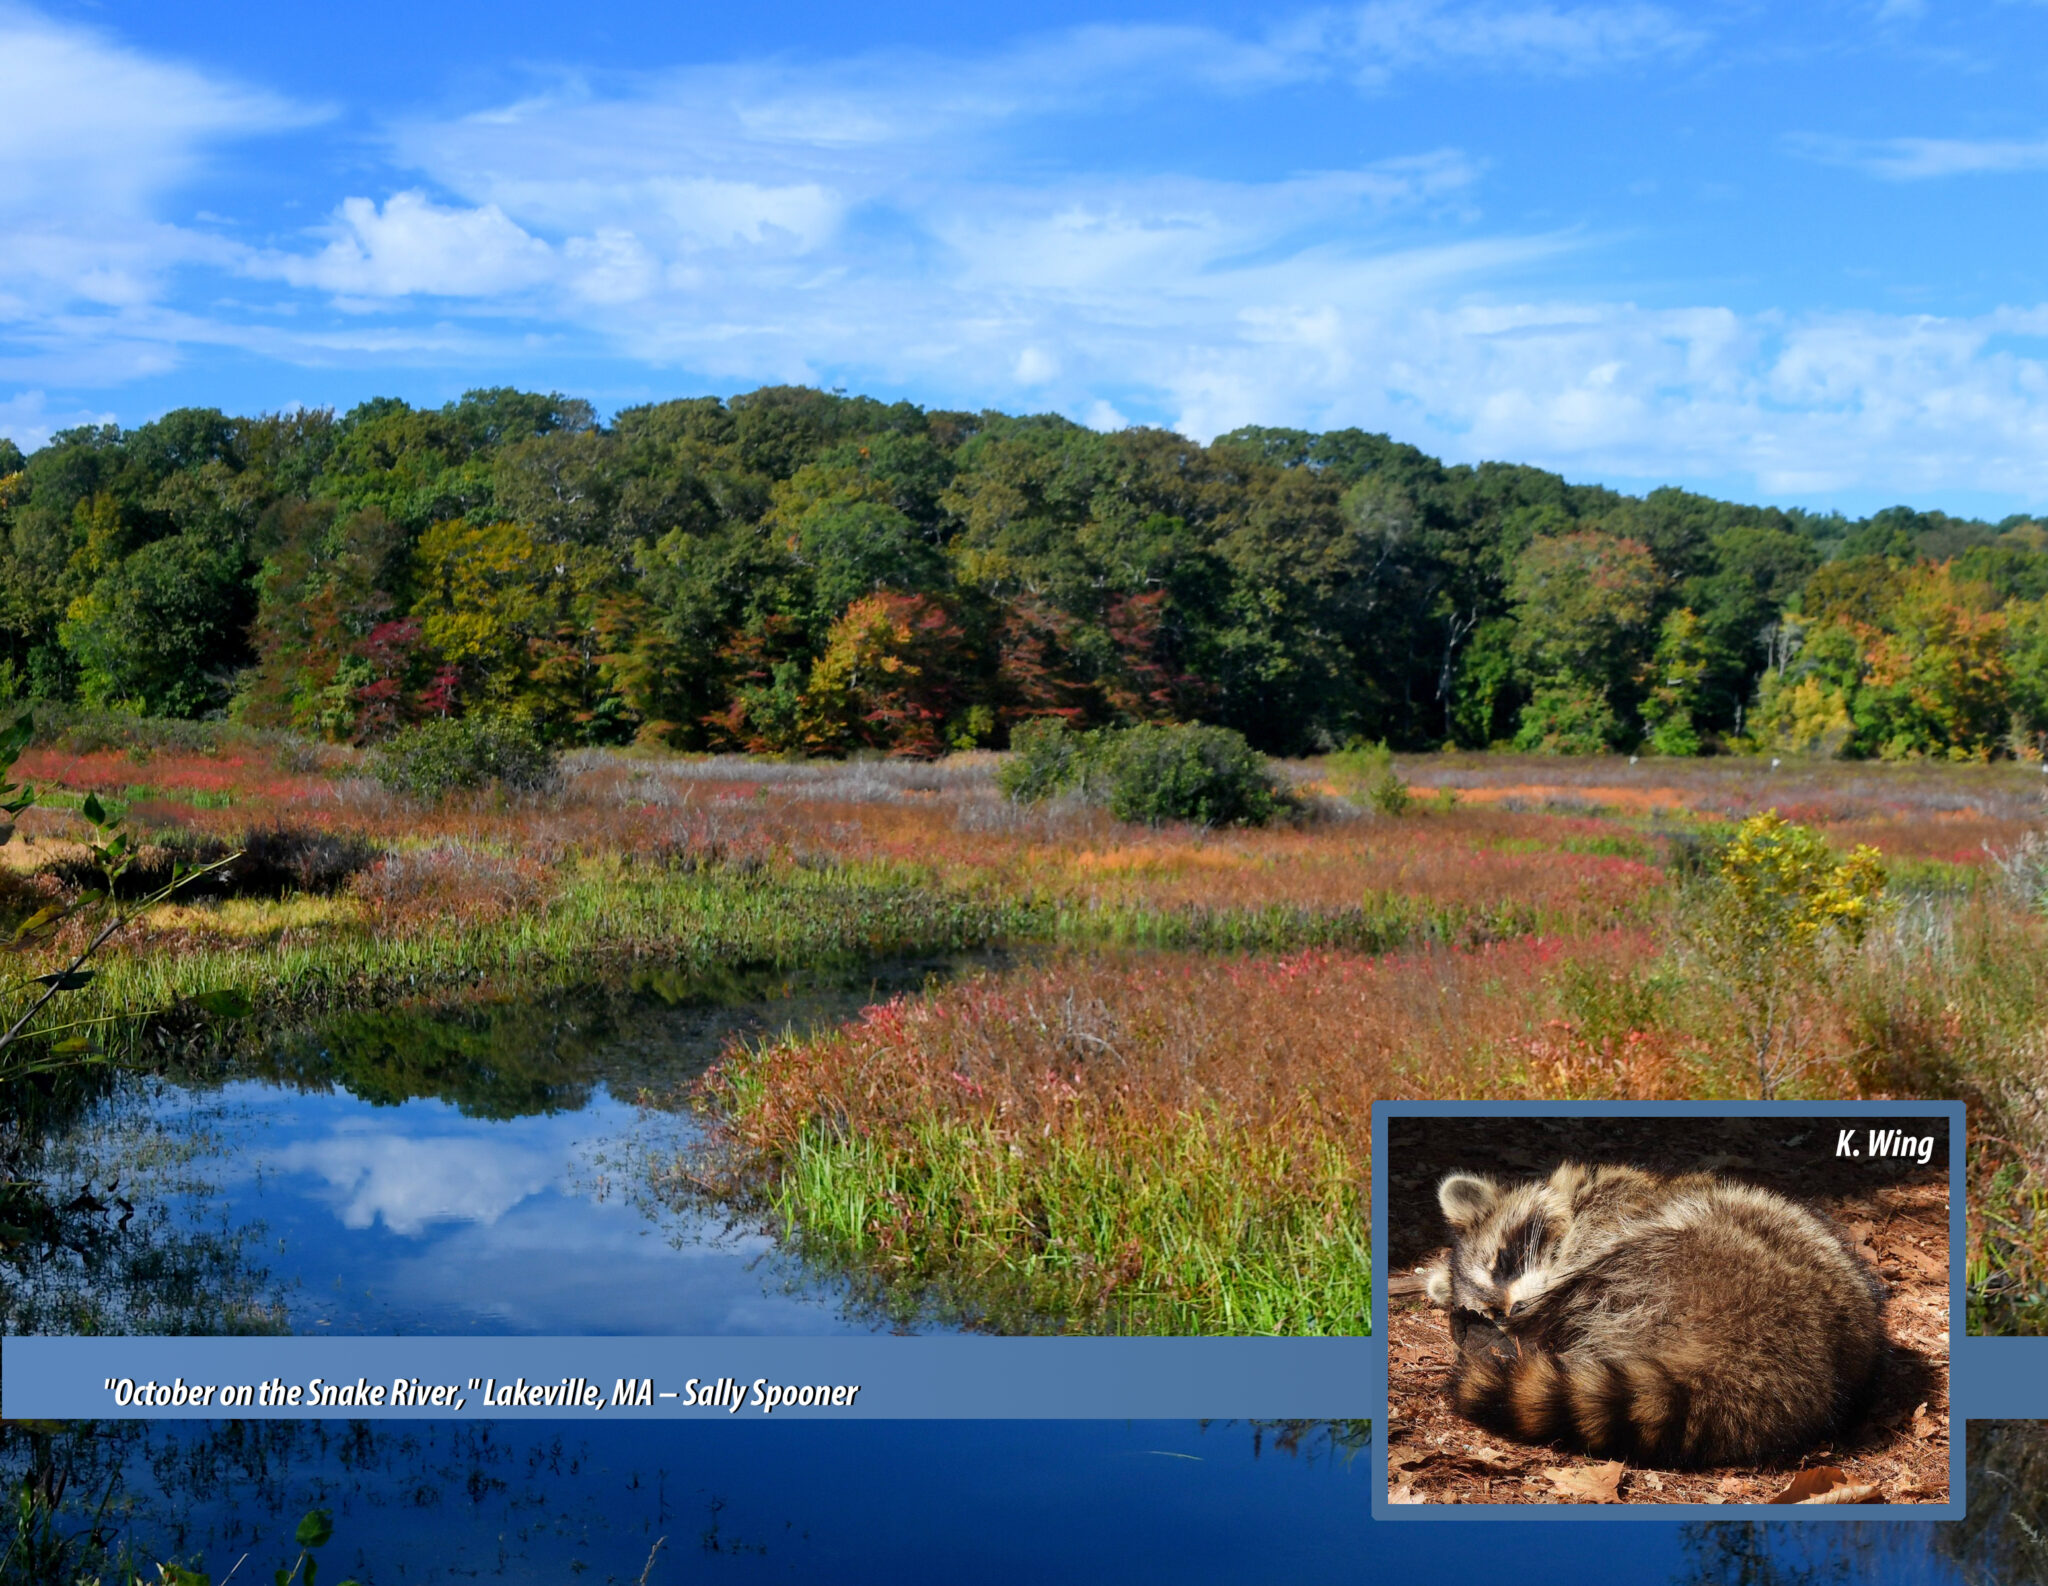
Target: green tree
1583,605
1676,685
160,630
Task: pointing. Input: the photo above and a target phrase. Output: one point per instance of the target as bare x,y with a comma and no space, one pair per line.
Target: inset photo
1678,1309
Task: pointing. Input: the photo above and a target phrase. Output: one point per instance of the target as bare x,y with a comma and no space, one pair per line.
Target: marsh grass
1167,1141
926,1145
1223,1006
1193,1228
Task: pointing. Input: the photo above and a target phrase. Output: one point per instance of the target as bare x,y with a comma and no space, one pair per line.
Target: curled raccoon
1672,1321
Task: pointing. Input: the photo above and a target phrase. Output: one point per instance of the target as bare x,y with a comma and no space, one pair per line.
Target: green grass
605,918
1382,923
1189,1229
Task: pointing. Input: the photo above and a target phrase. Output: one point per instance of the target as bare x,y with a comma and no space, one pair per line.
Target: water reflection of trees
2001,1541
415,1491
2004,1536
109,1491
1314,1441
517,1057
83,1249
87,1240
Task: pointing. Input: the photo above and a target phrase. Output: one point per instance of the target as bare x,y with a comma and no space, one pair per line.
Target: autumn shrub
79,731
447,877
1164,1142
1777,909
434,758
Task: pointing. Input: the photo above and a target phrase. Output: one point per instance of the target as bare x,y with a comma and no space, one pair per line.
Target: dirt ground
1896,1213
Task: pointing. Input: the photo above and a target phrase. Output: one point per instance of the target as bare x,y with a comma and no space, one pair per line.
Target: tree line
797,571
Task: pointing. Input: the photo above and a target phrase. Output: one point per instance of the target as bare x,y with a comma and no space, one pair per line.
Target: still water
481,1169
993,1502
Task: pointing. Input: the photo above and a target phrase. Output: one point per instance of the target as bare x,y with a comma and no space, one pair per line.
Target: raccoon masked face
1502,1245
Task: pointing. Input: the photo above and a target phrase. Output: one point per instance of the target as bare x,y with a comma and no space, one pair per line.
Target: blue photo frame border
1980,1367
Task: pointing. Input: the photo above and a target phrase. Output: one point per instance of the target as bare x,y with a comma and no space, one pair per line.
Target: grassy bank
925,1145
602,918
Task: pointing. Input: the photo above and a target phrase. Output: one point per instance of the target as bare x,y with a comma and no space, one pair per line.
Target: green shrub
439,757
1046,758
1771,922
1206,775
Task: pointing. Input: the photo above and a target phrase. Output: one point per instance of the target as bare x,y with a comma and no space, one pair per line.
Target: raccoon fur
1676,1321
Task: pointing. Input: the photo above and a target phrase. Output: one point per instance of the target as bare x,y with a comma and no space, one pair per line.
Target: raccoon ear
1466,1199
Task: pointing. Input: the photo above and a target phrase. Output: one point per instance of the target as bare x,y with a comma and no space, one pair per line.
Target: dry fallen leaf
1588,1483
1827,1484
1924,1425
1809,1484
1855,1492
1406,1458
1656,1481
1404,1494
1930,1266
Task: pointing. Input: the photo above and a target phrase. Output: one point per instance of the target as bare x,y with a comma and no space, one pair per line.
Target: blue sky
1787,253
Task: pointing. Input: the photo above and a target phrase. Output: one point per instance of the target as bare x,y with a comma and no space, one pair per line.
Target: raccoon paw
1479,1338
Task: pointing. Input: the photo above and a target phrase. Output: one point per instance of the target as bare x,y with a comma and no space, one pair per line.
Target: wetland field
704,1044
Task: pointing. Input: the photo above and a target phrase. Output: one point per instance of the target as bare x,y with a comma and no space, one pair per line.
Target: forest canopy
796,571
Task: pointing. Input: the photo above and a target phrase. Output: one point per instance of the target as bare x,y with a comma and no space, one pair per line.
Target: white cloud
885,220
90,123
1391,36
93,136
1922,159
410,1183
414,245
1035,366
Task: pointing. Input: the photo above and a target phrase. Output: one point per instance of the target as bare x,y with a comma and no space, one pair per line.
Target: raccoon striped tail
1618,1409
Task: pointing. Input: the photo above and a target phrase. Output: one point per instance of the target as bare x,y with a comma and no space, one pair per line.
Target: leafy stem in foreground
113,851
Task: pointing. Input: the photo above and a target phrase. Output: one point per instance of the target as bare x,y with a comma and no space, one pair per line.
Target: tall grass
1156,1142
